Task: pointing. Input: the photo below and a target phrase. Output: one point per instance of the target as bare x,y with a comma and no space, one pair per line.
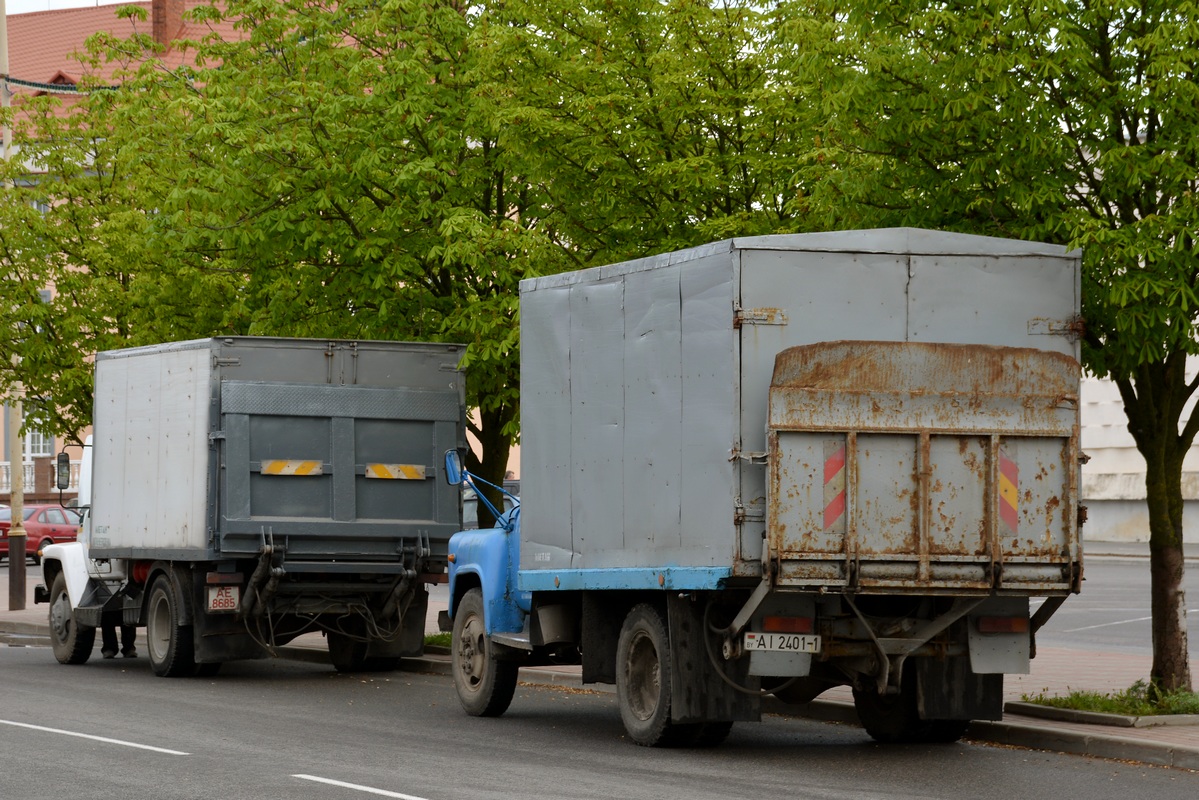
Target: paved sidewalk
1054,671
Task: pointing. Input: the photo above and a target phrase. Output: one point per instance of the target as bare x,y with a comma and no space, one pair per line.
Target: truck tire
894,719
485,683
643,670
170,644
707,734
72,642
346,652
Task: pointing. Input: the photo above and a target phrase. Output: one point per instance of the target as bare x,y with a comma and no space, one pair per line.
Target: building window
37,443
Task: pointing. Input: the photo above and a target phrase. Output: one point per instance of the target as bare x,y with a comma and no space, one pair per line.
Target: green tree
73,221
648,126
324,173
336,156
1065,121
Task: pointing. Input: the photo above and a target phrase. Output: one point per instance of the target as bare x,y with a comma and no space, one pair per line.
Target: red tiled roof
42,43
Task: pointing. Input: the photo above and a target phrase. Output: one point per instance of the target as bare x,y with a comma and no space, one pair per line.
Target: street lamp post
16,456
16,533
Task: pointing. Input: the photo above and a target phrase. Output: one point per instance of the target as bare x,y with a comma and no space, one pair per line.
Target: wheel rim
645,676
158,626
472,653
60,617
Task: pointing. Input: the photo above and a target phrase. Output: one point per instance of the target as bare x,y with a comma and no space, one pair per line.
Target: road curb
1099,718
1086,743
25,628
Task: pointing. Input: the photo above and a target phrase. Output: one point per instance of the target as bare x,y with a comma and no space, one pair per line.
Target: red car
44,525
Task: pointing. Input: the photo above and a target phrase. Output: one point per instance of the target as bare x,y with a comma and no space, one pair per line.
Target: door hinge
758,316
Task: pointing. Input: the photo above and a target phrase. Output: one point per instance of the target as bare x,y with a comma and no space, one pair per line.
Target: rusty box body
884,410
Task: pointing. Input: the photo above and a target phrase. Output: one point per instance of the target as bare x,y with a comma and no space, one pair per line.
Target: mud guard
948,689
698,692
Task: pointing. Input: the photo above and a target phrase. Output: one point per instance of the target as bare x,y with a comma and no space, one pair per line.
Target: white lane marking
1105,625
93,738
1117,622
356,787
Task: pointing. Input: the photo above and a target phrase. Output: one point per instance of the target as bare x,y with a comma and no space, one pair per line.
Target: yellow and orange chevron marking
834,485
1009,493
292,467
396,472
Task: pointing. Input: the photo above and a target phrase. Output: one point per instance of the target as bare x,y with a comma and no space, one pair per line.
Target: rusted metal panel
908,466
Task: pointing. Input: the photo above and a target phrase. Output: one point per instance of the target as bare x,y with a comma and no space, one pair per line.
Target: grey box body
189,437
645,384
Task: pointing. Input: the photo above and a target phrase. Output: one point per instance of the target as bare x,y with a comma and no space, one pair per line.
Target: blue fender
492,556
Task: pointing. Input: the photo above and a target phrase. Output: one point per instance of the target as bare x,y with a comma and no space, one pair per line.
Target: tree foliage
77,218
335,158
391,170
1064,121
649,126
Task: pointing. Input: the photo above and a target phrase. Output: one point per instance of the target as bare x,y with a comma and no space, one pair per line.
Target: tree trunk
1171,668
493,463
1154,405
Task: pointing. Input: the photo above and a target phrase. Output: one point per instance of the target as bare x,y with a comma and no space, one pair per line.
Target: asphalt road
1112,612
1110,615
295,731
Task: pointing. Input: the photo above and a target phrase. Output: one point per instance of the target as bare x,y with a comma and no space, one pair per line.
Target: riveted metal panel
150,449
224,418
1013,302
599,398
960,467
277,399
547,478
710,386
653,443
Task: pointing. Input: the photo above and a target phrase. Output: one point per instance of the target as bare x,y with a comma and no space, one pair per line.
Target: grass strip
1141,699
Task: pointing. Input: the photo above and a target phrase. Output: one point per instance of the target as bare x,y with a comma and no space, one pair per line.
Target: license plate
224,598
782,642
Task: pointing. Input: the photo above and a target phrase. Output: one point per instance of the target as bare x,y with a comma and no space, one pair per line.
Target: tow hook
731,649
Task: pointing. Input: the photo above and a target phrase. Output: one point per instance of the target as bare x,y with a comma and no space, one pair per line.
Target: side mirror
62,472
453,467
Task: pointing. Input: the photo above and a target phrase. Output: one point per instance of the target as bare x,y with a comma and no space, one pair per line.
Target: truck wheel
172,651
485,683
348,653
894,719
643,668
709,734
72,642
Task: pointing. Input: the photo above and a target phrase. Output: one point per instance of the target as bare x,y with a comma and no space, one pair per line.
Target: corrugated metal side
806,297
629,402
693,448
295,427
547,477
1013,302
150,449
908,466
345,406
